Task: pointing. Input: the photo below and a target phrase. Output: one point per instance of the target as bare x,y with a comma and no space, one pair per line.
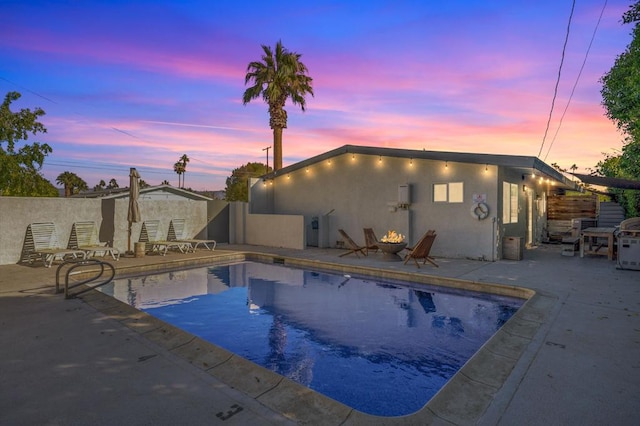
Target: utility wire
30,91
555,92
593,36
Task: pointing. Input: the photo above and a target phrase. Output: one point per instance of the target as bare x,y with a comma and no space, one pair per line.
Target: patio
68,362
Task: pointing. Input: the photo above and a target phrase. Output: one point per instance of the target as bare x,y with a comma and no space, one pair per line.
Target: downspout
494,239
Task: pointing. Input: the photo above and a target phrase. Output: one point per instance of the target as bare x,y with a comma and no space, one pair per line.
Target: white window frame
510,202
449,192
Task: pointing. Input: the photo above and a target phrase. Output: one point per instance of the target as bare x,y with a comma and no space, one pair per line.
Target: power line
30,91
593,36
555,92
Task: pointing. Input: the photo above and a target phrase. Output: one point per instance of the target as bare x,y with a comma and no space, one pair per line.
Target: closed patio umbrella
134,210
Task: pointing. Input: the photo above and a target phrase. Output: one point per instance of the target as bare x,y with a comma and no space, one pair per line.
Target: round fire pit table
390,251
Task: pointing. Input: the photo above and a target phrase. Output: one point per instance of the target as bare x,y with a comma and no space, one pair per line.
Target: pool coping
463,399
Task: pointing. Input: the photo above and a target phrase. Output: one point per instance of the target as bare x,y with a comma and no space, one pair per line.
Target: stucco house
475,202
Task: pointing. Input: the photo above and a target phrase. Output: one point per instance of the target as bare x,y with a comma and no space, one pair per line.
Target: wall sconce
380,159
353,157
486,167
524,188
446,164
288,176
329,161
411,162
307,170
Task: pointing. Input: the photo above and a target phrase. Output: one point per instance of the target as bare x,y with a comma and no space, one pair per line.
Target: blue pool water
379,346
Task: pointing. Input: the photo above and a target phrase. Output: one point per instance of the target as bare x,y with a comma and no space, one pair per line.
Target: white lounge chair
41,242
84,236
177,233
149,235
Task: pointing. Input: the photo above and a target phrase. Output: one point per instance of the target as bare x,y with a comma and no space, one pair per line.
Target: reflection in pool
379,346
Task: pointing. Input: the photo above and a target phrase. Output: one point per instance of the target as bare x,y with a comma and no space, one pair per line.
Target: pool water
382,347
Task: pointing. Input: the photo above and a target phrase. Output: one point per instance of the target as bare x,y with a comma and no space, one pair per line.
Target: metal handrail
77,263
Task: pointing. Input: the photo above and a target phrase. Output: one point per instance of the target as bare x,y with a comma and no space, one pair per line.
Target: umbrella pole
129,240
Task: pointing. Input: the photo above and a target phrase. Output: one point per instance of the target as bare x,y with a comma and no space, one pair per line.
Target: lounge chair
176,233
422,249
370,240
149,235
41,242
351,245
84,236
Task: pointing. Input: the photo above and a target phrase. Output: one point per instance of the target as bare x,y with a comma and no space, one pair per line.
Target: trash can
512,248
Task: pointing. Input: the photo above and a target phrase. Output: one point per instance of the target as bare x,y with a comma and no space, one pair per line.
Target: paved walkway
578,353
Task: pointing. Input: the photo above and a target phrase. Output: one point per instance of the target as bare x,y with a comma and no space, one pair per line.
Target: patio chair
370,240
41,242
84,236
149,235
176,233
351,245
422,249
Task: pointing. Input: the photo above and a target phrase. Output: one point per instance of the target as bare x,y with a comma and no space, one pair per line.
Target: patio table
589,241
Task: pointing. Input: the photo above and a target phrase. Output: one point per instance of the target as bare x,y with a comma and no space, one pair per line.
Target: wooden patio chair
370,241
351,245
422,249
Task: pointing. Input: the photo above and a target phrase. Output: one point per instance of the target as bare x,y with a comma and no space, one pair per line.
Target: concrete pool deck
572,358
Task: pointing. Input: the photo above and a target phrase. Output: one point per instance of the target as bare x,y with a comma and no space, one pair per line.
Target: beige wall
265,229
276,230
16,213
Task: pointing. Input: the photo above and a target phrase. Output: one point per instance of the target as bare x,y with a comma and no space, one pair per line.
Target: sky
127,83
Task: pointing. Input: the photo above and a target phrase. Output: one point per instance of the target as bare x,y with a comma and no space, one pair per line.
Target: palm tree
179,169
72,183
275,79
184,160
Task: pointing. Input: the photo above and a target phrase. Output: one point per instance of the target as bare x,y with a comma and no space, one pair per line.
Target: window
448,192
509,202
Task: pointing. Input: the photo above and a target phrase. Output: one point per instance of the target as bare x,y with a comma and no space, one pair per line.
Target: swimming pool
380,346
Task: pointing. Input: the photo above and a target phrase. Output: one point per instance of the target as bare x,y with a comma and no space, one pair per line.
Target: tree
179,169
277,78
620,94
184,159
621,85
20,163
143,184
113,184
100,186
237,188
73,184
